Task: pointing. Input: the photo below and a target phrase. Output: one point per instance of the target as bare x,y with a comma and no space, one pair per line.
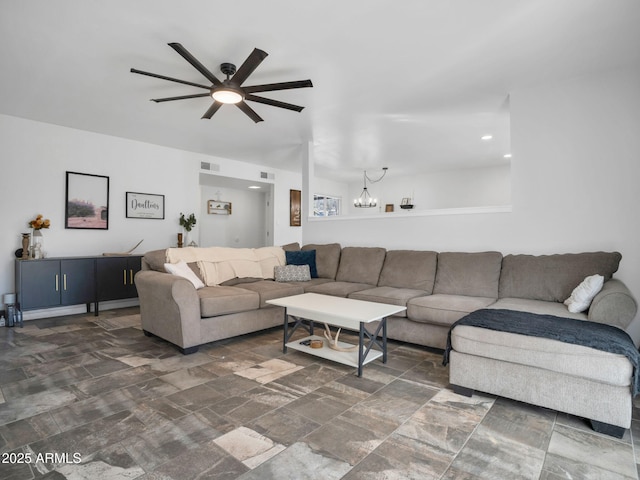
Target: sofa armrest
169,307
614,305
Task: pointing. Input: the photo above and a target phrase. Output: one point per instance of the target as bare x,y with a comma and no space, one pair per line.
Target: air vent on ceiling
212,167
270,176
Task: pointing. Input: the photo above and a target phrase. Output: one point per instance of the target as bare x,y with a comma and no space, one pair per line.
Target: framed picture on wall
218,207
144,205
87,201
295,208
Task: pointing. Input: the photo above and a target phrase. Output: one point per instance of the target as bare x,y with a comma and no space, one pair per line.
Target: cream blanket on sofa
219,264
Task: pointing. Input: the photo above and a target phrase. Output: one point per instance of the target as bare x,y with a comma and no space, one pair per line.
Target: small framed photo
86,201
388,207
218,207
144,205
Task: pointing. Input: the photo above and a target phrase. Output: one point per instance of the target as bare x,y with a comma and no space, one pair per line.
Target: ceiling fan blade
273,103
250,64
183,97
155,75
278,86
249,111
195,63
212,109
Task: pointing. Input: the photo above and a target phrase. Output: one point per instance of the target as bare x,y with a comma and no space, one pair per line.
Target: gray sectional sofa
438,289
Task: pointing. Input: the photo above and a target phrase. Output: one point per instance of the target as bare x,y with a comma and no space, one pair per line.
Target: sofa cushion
327,259
268,290
390,295
292,273
474,274
338,289
291,247
361,265
409,269
307,257
536,306
215,301
181,269
154,260
553,277
582,296
544,353
443,309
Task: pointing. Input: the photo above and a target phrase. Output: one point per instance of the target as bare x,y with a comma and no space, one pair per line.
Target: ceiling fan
230,90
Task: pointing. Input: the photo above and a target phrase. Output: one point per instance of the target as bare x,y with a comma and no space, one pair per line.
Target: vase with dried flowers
37,224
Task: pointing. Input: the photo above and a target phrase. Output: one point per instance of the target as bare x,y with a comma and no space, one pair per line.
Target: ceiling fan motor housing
228,69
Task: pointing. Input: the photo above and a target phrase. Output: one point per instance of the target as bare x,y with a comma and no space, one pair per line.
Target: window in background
326,205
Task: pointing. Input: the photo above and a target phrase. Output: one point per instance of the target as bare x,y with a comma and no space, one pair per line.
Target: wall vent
270,176
212,167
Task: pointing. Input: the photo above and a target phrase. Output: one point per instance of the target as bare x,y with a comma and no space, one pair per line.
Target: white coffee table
338,312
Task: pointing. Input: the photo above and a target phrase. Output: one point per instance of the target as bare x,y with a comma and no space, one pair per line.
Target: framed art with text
87,201
144,205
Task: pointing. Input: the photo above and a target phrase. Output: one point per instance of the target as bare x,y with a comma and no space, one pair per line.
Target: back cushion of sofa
327,259
409,269
474,274
553,277
361,264
154,260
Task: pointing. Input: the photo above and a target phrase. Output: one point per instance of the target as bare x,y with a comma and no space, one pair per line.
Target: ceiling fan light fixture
226,95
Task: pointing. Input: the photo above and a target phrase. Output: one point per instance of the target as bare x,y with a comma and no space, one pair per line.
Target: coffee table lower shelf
345,358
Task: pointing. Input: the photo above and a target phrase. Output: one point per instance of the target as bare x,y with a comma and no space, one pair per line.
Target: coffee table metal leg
285,338
360,349
384,340
288,332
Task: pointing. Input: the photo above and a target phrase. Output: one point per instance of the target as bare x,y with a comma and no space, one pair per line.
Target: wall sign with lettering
145,205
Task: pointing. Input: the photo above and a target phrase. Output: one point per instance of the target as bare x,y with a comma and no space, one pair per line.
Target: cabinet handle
64,282
57,284
124,277
131,276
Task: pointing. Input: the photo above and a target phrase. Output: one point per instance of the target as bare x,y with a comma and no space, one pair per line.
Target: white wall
35,157
246,225
574,176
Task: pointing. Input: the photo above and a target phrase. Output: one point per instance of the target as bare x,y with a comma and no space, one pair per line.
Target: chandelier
365,200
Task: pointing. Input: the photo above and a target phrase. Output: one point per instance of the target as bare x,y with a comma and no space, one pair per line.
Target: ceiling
411,85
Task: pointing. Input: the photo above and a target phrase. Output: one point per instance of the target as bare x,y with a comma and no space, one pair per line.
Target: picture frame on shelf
144,205
218,207
86,201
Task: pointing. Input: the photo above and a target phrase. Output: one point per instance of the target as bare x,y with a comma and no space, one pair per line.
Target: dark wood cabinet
55,282
115,277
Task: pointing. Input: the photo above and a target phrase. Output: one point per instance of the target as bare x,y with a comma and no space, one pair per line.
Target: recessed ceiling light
255,187
507,155
486,137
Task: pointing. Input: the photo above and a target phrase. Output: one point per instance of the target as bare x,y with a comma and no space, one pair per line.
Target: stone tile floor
84,397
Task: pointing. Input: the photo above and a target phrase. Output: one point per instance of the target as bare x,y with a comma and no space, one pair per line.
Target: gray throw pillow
292,273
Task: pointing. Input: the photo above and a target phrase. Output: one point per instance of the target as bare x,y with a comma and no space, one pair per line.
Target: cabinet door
115,277
134,265
38,283
77,281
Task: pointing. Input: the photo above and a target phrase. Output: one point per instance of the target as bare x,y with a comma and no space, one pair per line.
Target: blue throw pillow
303,257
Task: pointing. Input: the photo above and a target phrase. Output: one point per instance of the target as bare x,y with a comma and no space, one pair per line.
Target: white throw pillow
583,294
181,269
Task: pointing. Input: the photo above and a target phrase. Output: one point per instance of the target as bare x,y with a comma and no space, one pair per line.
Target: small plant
187,222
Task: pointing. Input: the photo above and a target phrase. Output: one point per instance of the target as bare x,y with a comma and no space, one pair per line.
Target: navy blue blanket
606,338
